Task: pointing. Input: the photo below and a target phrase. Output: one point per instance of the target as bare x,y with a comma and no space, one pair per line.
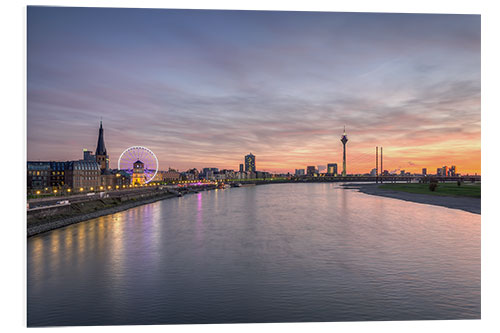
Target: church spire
101,148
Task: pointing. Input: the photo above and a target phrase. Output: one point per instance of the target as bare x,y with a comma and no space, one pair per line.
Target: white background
13,179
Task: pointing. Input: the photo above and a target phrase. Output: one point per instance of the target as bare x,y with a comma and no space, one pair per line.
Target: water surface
271,253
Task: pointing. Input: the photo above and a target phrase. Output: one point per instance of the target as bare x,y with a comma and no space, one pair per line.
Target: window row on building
73,174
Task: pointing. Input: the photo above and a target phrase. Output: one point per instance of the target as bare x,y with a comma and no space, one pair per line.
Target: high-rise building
332,169
344,140
250,163
300,172
311,170
242,167
453,171
444,171
101,154
424,171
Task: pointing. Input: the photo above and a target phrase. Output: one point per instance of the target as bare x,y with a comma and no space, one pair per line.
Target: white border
13,20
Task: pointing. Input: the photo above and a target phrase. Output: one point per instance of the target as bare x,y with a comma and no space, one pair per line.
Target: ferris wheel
137,153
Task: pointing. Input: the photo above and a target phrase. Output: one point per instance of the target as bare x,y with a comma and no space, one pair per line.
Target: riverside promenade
48,215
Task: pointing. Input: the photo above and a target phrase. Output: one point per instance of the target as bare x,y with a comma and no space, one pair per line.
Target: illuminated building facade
444,171
83,174
57,177
453,171
122,178
166,176
38,175
332,169
250,163
138,177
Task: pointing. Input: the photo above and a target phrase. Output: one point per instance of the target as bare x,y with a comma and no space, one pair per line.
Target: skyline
278,84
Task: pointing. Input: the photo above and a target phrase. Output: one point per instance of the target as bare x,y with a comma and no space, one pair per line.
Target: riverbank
468,204
37,227
82,211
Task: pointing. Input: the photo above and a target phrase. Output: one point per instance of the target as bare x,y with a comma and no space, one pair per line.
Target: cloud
198,93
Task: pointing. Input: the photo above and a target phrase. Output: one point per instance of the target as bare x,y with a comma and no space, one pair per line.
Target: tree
433,184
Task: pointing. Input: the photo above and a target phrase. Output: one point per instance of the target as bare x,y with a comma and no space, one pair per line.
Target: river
270,253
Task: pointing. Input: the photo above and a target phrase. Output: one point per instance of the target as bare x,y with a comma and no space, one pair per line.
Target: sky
203,88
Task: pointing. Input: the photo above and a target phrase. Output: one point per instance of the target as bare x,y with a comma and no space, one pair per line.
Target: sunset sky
204,88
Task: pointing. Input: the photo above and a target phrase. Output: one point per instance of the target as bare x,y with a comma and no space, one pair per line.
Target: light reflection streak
55,254
35,266
156,227
199,218
116,259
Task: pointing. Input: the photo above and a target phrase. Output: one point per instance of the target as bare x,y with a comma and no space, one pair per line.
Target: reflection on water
276,253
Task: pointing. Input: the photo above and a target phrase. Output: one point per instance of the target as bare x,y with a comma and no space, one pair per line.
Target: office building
250,163
300,172
444,171
332,169
453,171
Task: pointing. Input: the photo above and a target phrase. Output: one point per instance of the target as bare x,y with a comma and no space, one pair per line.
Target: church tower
101,155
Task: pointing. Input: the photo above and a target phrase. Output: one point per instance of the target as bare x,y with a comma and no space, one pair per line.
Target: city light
81,189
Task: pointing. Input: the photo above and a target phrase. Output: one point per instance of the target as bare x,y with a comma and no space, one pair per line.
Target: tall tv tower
344,141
